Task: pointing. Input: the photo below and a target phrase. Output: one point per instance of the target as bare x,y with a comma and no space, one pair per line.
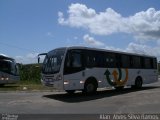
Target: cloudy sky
29,27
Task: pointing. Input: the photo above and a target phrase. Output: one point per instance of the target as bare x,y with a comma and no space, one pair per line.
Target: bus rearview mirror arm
41,55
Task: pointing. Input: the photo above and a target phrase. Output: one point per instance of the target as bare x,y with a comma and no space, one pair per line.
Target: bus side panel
147,75
150,76
72,81
75,81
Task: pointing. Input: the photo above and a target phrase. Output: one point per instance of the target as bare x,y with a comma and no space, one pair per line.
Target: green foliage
30,73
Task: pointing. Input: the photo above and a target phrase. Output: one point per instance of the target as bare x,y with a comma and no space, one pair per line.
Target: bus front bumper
56,84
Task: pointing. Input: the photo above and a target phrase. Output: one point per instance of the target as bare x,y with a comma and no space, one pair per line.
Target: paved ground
146,100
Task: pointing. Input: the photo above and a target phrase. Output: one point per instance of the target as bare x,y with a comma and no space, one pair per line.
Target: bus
9,72
86,69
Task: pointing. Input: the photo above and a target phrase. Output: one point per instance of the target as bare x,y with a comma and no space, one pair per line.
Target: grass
25,86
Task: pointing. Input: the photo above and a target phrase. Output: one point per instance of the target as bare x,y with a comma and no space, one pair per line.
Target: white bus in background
86,69
9,72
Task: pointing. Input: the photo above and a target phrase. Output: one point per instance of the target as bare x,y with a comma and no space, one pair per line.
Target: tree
30,73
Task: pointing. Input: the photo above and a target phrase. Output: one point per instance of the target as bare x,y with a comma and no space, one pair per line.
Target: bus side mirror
40,55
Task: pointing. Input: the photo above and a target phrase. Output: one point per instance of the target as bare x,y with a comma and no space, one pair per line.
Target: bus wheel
70,91
138,82
90,87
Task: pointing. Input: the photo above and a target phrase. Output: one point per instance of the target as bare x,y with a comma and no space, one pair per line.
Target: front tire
90,87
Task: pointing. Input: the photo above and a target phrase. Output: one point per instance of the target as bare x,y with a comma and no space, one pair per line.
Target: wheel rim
139,83
90,88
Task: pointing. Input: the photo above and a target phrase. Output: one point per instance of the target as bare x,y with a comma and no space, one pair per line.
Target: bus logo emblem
117,77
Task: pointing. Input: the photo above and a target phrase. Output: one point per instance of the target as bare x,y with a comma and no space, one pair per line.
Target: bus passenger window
73,62
147,63
76,60
154,63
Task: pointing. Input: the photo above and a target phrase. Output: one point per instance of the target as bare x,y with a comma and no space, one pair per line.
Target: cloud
144,49
138,49
90,41
142,25
29,58
132,47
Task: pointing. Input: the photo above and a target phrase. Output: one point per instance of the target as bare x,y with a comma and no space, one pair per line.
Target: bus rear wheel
138,83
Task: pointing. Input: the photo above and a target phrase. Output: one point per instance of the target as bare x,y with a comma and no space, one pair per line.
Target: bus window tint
90,59
5,66
147,63
109,60
154,63
136,62
76,60
73,62
94,59
125,60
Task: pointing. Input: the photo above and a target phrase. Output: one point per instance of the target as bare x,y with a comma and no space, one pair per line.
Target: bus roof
106,50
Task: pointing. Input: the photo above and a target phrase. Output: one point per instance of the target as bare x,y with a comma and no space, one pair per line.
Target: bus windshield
52,61
5,66
8,66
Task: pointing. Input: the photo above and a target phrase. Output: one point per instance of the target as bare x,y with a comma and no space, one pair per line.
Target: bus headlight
2,78
7,78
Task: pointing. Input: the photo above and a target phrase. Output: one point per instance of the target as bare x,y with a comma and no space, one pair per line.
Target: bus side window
90,59
76,60
142,62
131,61
109,60
151,62
125,61
154,63
73,62
118,61
136,62
99,59
147,63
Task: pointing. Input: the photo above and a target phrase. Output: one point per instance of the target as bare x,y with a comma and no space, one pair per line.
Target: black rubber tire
138,83
70,91
90,87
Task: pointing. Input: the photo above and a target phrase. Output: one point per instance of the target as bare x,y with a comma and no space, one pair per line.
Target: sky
30,27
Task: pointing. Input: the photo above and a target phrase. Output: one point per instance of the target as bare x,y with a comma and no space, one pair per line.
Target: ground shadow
79,97
8,86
